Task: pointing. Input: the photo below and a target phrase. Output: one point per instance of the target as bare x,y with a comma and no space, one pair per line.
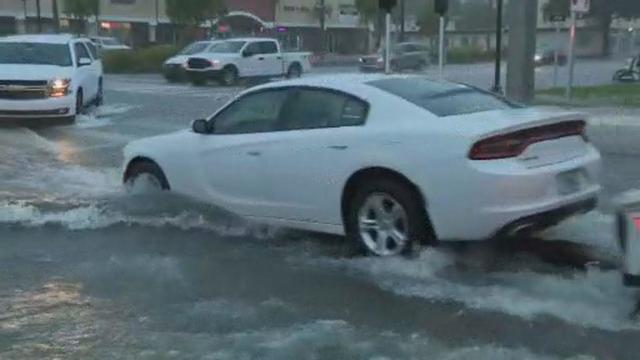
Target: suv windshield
35,53
227,47
442,99
194,48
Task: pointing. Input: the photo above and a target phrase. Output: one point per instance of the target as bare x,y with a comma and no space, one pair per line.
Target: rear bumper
547,219
499,196
39,108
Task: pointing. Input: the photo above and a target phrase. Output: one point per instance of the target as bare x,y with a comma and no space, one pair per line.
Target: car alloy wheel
383,225
79,103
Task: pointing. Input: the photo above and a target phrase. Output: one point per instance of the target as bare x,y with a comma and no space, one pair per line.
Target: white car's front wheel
145,176
386,218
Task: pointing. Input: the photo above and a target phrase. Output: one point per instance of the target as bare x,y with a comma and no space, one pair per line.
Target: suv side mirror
84,62
200,126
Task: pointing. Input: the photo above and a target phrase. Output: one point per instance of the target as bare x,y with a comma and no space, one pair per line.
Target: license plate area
573,181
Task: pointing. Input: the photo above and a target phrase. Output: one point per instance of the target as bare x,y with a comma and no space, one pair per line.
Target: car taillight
515,143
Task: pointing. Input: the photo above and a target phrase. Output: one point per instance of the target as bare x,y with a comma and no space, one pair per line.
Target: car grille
23,89
198,63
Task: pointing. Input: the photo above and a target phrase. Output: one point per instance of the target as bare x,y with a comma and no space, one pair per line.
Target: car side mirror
200,126
84,62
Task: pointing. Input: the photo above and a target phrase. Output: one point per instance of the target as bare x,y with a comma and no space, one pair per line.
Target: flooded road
88,271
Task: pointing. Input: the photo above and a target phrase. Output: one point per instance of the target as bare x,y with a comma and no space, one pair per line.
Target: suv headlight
59,87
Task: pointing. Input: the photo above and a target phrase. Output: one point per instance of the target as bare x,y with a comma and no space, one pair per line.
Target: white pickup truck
231,60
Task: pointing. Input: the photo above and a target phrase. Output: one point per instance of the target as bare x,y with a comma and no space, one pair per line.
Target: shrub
145,60
469,55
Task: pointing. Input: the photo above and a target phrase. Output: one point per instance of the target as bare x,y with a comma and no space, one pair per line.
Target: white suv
48,76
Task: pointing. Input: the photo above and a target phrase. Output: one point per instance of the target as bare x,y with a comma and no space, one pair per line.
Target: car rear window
443,98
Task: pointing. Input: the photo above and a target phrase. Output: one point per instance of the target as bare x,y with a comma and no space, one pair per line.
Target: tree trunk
379,30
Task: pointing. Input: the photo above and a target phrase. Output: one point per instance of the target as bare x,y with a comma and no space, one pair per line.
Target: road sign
441,7
387,5
580,6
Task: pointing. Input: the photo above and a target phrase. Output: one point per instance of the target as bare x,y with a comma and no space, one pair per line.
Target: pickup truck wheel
294,72
229,76
100,96
79,102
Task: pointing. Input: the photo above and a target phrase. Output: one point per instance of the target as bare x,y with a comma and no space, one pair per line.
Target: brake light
515,143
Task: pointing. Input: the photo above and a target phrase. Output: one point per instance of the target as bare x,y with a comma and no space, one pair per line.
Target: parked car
404,56
387,160
547,57
631,73
48,76
174,69
231,60
109,43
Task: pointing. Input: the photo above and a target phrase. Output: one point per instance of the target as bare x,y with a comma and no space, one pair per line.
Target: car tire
100,96
396,224
197,79
229,76
79,102
294,71
146,168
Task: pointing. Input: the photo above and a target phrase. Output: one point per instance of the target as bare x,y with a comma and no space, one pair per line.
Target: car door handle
279,58
338,147
260,58
254,153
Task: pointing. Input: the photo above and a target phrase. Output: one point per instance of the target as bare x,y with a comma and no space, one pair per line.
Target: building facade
140,22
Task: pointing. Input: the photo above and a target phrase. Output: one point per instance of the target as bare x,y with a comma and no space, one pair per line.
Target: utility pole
56,16
38,16
523,22
323,42
441,8
402,19
497,87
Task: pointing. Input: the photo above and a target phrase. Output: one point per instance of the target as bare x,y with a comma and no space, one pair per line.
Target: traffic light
442,6
387,5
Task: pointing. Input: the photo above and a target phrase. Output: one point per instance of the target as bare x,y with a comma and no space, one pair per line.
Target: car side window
81,52
253,113
254,48
268,47
92,49
314,109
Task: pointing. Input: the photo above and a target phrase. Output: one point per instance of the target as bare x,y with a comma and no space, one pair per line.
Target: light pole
497,88
38,16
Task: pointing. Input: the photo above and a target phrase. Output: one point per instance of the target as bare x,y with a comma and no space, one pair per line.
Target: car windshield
440,98
35,53
195,48
227,47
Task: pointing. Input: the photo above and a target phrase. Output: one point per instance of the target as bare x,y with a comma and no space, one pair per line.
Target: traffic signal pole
497,87
387,44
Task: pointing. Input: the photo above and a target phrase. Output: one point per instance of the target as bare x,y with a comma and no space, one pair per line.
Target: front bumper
174,71
211,74
37,108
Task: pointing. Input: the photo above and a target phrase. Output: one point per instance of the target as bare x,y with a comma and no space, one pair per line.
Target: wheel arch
364,174
139,160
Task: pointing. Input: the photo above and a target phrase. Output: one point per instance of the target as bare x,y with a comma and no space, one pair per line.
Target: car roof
352,83
40,38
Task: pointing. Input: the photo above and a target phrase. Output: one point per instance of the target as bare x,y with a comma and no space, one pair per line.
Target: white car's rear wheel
386,218
229,76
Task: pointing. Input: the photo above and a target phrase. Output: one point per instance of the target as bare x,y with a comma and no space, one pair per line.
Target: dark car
409,55
547,57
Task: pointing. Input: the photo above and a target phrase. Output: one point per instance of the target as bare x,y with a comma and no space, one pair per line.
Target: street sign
557,18
387,5
580,6
441,7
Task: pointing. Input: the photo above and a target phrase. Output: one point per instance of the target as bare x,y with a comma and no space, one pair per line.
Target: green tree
429,21
371,14
81,10
193,12
475,15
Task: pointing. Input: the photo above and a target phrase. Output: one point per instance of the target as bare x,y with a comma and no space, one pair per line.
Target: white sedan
389,161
